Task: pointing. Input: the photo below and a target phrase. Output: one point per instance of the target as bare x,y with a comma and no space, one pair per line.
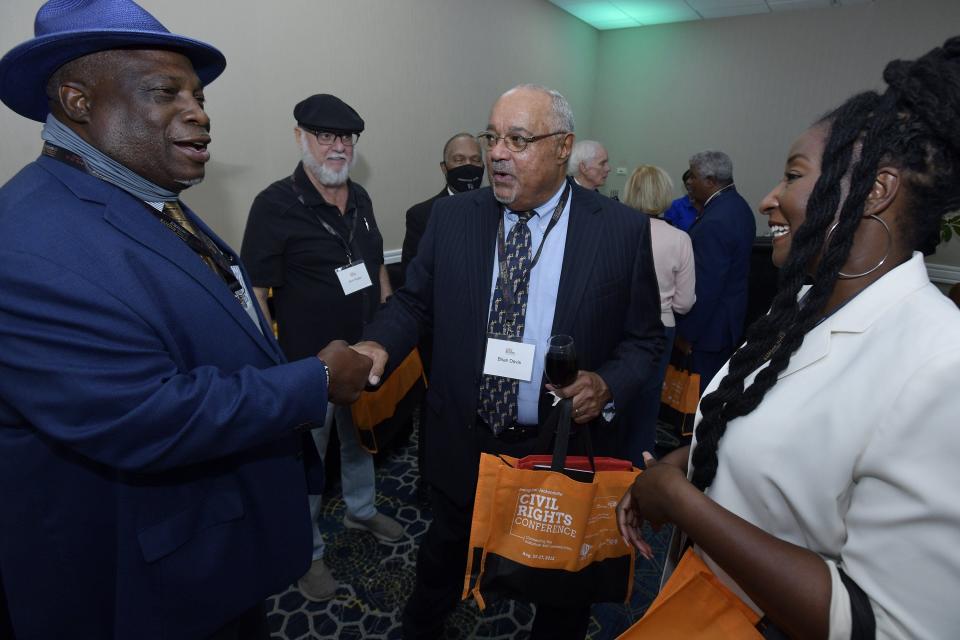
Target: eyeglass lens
326,137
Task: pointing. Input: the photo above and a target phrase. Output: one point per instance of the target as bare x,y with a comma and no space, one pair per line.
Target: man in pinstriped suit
592,278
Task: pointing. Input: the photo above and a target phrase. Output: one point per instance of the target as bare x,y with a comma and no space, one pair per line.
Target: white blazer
855,455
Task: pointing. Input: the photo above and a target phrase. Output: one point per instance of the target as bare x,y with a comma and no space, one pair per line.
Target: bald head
462,148
529,141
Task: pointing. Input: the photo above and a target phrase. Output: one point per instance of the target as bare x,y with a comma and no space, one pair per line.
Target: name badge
354,277
509,359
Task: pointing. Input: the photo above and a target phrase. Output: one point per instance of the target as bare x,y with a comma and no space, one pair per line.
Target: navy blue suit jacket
722,243
150,485
607,300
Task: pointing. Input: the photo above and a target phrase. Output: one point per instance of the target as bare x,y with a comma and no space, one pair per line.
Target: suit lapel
267,329
132,218
582,245
479,247
815,347
861,312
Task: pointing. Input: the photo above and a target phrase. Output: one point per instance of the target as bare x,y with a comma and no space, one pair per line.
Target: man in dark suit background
462,168
722,237
584,268
150,480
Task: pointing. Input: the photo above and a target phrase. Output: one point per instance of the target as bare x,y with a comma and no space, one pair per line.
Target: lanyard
503,279
346,243
202,246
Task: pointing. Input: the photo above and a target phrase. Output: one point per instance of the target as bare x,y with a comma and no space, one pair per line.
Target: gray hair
562,113
713,164
583,151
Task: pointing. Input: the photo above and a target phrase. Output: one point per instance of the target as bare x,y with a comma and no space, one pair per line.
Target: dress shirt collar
545,209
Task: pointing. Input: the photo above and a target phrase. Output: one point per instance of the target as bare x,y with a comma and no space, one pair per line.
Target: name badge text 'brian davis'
509,359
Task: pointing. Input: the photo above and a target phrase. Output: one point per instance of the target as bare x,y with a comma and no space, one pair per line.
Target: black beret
323,112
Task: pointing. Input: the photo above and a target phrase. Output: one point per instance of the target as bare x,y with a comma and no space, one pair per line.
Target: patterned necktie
498,395
172,209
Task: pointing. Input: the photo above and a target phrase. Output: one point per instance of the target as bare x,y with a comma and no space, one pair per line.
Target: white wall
417,71
750,85
420,70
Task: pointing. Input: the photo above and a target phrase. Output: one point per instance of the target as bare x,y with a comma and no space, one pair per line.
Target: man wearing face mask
313,239
462,168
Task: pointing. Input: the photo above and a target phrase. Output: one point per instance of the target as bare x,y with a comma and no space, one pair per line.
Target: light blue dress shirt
541,295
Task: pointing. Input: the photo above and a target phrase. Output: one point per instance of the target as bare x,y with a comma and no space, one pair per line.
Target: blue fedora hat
65,30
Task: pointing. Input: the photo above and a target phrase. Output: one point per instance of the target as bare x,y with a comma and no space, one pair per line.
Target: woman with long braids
822,485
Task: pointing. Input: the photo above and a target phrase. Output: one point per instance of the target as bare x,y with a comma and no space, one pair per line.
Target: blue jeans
356,472
642,435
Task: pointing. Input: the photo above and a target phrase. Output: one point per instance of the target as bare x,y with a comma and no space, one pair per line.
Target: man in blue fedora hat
150,476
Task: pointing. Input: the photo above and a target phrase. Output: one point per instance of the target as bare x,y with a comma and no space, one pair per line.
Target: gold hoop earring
850,276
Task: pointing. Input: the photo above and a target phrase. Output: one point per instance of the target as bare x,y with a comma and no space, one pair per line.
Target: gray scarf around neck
103,166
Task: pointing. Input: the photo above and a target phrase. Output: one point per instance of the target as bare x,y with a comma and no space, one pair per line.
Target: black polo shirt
285,246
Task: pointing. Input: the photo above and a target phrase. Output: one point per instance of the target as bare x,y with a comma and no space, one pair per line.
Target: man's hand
681,345
376,352
590,395
348,372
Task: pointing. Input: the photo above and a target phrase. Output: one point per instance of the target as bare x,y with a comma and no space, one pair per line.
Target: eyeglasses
514,141
328,138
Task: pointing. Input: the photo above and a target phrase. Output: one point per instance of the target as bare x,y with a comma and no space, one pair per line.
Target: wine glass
560,363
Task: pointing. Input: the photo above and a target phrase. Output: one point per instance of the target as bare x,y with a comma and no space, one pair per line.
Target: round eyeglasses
328,138
514,141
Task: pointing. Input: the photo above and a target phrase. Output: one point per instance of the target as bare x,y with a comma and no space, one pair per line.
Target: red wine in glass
560,363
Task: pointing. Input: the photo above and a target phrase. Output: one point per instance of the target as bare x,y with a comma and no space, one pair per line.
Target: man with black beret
312,238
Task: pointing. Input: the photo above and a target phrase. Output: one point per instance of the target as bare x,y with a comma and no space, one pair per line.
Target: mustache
501,166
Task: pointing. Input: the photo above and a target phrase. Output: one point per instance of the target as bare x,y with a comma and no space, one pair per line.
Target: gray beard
326,177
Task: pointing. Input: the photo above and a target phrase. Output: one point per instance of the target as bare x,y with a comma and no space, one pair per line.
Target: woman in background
822,484
649,190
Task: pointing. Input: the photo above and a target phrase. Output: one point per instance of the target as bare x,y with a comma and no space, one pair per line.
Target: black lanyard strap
205,248
504,280
346,243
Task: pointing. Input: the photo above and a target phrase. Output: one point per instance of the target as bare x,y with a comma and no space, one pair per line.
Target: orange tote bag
549,535
695,605
373,407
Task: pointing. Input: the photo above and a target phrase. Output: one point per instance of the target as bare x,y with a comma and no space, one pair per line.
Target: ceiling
620,14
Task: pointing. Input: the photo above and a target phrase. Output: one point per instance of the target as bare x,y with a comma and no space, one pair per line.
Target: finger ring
576,412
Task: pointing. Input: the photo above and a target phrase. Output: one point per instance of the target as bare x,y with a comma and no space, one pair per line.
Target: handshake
352,368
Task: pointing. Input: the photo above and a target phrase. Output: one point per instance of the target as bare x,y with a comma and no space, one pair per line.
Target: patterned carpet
376,578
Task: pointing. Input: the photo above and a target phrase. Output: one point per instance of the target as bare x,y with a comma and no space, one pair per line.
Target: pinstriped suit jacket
607,300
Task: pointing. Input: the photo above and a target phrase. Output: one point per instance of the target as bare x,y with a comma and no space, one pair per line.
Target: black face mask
466,177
